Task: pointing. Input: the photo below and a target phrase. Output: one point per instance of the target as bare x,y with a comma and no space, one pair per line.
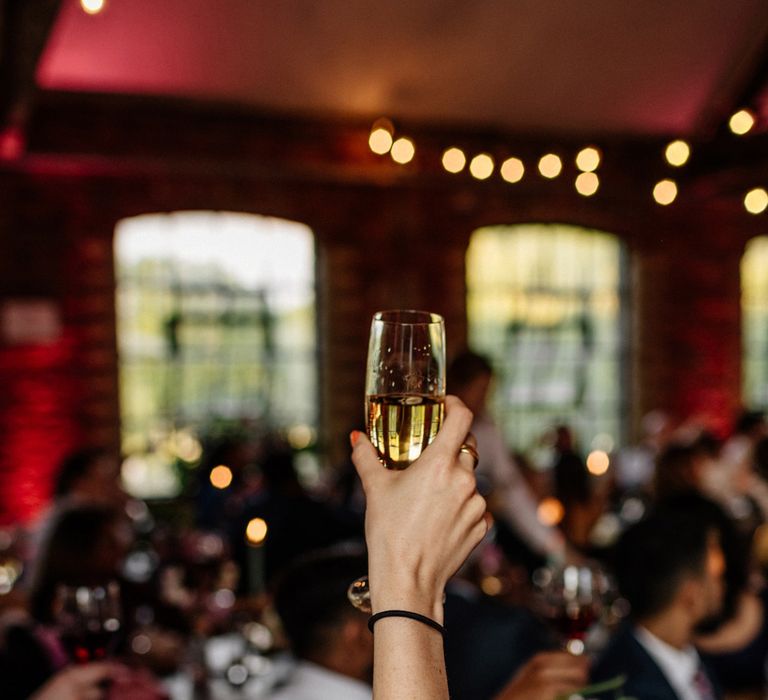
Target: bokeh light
481,166
741,122
550,165
588,159
512,170
677,153
665,192
587,184
454,160
92,7
550,511
221,476
756,201
598,462
380,141
256,531
403,150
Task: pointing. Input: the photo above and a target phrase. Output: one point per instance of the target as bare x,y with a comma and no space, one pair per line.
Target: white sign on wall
29,321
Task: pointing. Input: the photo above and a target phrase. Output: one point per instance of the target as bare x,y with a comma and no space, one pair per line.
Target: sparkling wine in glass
89,621
404,394
405,384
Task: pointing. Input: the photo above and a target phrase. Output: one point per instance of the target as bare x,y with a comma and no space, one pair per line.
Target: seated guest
84,546
298,521
328,637
670,569
334,648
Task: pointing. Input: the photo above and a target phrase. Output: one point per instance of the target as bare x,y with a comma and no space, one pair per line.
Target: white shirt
679,666
309,681
517,502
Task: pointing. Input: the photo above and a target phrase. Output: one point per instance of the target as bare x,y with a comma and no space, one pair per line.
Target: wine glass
89,620
573,597
404,394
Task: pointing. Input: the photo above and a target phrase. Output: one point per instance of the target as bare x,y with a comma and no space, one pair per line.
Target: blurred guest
83,547
732,482
573,488
334,648
488,642
90,475
469,376
329,638
670,568
297,522
222,484
636,464
679,468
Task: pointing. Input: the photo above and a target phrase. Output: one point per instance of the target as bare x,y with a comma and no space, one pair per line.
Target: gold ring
471,451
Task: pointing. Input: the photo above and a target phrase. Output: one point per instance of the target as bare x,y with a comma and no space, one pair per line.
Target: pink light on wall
36,425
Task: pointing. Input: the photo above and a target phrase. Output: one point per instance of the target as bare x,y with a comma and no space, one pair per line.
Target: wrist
393,591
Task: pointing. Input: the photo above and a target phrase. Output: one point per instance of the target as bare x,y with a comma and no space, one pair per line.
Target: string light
588,159
380,141
454,160
403,151
481,166
587,184
677,153
512,170
665,192
92,7
741,122
550,165
756,201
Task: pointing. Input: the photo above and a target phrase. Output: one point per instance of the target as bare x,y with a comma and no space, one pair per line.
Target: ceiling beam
24,29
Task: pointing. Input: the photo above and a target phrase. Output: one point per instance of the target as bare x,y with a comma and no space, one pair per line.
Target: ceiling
635,67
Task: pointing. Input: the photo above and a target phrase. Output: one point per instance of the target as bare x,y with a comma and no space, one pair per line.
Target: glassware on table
573,598
404,394
88,620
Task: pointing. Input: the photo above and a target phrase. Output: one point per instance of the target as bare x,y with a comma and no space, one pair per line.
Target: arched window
545,302
754,309
216,325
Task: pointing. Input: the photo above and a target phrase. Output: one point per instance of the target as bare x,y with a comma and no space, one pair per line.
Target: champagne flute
404,394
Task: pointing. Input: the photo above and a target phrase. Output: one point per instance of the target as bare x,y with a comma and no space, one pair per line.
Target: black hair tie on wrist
406,613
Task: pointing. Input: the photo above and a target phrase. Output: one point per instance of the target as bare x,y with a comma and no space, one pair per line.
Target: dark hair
674,470
73,467
761,457
747,421
466,367
311,598
655,556
67,555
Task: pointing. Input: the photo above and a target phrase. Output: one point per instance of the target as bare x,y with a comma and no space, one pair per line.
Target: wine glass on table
575,598
572,598
89,621
404,394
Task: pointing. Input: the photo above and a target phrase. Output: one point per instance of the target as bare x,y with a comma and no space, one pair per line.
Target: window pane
216,322
544,302
754,305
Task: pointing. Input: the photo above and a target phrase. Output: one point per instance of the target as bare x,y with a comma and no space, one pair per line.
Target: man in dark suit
670,568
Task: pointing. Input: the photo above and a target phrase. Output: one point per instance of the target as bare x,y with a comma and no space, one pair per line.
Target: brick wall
386,237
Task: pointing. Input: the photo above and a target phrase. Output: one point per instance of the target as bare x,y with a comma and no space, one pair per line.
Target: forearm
408,655
408,661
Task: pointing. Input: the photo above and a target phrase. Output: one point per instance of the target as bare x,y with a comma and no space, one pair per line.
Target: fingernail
354,436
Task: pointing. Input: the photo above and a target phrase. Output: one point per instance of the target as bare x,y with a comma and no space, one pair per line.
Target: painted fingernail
354,436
